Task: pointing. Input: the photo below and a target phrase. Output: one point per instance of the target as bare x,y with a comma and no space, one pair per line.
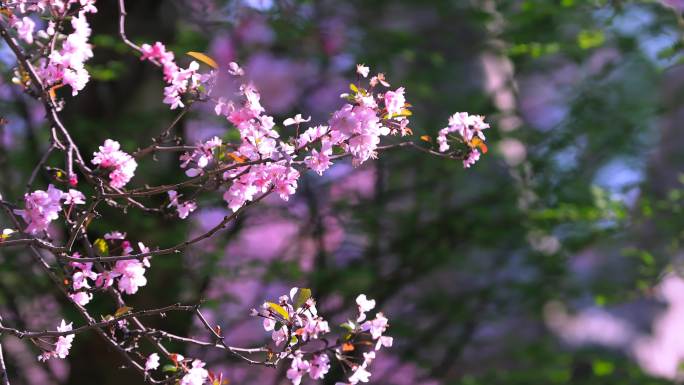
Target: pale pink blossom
196,375
152,362
361,374
376,326
384,341
234,69
362,70
365,305
319,366
115,235
298,119
63,344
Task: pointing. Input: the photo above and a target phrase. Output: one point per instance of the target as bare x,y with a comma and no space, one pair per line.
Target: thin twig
100,325
4,377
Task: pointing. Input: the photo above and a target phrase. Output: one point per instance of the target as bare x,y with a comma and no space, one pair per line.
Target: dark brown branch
177,248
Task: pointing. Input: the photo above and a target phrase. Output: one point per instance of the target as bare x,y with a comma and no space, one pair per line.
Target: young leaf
122,310
302,296
279,309
204,59
169,368
101,247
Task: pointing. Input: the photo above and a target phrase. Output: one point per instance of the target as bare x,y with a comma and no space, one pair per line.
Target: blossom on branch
120,165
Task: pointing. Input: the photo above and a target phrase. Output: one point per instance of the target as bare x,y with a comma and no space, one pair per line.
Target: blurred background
555,260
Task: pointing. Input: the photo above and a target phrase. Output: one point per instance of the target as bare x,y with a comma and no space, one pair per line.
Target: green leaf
279,309
590,39
347,326
353,87
602,368
169,368
303,295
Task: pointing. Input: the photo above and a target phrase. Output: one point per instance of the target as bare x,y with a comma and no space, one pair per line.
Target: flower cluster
264,159
65,64
62,345
196,374
469,128
354,129
128,274
120,165
180,80
294,323
200,157
182,208
194,371
80,285
42,207
259,141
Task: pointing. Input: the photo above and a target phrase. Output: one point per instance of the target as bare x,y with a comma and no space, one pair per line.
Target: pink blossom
394,101
318,161
182,208
200,157
298,119
82,298
41,208
82,273
25,28
376,327
131,275
66,65
473,157
361,126
298,368
234,69
74,197
62,345
467,126
115,235
121,166
179,81
320,365
311,134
